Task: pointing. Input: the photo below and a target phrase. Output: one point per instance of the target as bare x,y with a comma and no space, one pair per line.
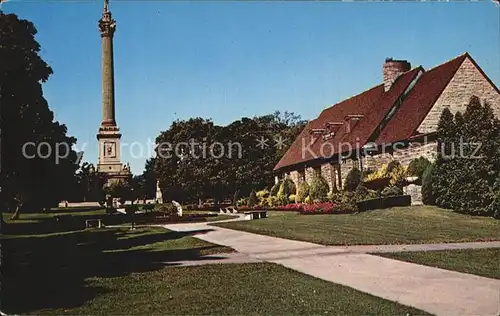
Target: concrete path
223,258
422,247
437,291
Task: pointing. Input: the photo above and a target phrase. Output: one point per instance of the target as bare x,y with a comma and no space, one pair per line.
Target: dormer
351,121
331,129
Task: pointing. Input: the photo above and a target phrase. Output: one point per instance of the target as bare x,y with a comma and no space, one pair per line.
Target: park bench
92,223
255,214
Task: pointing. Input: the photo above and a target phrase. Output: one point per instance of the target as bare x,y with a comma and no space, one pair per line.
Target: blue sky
224,60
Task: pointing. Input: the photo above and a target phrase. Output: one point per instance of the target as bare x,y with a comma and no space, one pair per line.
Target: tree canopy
38,165
198,159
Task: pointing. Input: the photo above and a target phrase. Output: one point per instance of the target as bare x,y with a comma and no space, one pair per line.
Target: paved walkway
437,291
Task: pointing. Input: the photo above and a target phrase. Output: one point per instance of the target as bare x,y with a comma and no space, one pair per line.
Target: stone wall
467,81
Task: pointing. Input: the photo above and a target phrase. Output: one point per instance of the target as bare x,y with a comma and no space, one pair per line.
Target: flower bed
312,209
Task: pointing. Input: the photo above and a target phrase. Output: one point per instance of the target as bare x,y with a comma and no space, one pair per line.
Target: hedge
384,202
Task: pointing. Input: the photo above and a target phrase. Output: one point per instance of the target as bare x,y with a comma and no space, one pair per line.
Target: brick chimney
392,69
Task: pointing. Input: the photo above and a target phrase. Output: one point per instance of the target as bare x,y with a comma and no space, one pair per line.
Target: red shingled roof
373,104
419,102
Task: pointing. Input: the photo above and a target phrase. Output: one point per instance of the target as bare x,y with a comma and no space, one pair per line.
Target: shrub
417,167
292,198
398,176
378,174
392,191
427,194
252,199
391,166
274,189
302,192
168,210
353,179
272,201
361,192
242,202
262,194
319,187
334,197
307,200
287,187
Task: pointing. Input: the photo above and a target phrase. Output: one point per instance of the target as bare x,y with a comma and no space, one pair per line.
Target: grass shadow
55,271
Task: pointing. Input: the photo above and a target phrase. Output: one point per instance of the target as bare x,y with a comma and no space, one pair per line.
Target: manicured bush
262,194
384,202
302,192
169,210
361,192
287,187
274,189
252,199
353,179
292,198
272,201
398,176
308,200
417,167
334,197
392,191
427,195
318,191
380,173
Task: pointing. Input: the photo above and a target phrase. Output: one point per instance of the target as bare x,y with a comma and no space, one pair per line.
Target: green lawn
244,289
399,225
134,272
483,262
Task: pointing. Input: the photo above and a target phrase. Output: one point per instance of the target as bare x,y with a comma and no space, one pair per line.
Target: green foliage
361,192
392,191
30,184
308,200
272,201
242,202
468,161
334,197
169,210
252,199
391,166
205,171
353,179
417,167
398,176
262,194
302,192
275,188
318,190
292,198
287,187
427,195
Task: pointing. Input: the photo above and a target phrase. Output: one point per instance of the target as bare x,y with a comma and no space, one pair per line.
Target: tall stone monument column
109,133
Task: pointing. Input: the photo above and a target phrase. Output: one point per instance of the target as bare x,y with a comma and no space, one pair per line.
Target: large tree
223,160
37,161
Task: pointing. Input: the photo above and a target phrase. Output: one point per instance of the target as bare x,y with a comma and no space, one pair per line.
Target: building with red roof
395,120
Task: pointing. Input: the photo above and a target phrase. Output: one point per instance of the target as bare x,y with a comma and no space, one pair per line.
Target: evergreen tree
468,159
